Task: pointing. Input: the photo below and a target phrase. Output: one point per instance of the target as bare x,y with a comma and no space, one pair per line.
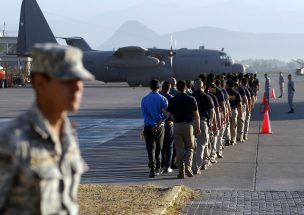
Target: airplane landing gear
133,84
145,84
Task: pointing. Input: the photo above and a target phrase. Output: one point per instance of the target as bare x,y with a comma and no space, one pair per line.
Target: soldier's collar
41,125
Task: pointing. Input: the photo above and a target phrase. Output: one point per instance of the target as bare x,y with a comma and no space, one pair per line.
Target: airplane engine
237,68
138,62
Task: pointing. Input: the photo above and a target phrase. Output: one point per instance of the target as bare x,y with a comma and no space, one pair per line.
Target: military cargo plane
134,65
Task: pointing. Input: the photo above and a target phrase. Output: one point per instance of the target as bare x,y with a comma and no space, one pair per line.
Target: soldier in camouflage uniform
40,161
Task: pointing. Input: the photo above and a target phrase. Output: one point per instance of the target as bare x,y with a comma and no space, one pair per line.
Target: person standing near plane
167,149
267,87
291,90
206,112
153,106
40,161
281,84
186,126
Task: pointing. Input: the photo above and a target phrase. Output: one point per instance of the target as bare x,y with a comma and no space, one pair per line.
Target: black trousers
167,149
154,143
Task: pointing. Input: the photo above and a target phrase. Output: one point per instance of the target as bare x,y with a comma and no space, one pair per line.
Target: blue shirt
152,107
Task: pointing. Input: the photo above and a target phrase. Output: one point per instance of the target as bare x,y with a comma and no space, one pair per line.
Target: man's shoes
233,143
240,140
227,143
245,137
213,160
219,155
152,174
181,175
158,172
168,170
291,111
189,173
197,172
204,166
280,96
173,166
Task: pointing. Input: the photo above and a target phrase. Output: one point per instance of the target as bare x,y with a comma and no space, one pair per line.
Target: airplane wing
78,42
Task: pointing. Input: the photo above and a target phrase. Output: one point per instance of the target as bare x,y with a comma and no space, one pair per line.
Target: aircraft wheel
133,84
145,84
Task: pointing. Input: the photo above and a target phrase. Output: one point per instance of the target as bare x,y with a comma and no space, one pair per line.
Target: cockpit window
223,56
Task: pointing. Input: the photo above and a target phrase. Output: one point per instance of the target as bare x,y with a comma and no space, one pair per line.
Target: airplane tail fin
78,42
33,28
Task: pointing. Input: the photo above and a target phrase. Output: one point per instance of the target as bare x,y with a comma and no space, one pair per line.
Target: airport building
17,69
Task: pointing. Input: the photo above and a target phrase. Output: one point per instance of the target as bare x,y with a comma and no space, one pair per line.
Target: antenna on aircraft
3,32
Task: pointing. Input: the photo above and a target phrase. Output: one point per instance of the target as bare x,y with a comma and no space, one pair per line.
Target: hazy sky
96,20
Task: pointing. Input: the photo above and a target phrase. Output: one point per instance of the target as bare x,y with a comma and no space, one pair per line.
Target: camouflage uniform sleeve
7,166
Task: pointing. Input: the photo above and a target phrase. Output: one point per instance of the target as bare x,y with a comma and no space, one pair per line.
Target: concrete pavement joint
257,152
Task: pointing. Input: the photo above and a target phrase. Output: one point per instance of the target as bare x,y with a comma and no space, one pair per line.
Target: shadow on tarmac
121,113
278,112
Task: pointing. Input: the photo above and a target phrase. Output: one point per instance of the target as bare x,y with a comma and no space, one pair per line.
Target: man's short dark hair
188,83
154,85
244,81
230,83
166,86
235,79
210,78
217,82
181,85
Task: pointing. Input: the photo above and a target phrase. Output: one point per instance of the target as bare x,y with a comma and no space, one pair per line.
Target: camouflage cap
59,62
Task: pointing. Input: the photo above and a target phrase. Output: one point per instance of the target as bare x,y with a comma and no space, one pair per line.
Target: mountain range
239,45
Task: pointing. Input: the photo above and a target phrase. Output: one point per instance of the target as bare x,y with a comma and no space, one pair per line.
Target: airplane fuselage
187,64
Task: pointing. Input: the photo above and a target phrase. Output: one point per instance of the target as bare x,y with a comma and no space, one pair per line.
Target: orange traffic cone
266,106
272,93
266,124
264,99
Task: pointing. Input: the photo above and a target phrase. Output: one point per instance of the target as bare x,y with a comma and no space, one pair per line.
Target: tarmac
264,175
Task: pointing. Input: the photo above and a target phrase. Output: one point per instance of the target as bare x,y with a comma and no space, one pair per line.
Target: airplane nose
237,68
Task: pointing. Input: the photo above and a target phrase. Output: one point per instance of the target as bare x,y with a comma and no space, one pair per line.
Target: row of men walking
188,126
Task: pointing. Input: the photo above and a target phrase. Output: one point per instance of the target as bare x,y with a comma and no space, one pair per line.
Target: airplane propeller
171,52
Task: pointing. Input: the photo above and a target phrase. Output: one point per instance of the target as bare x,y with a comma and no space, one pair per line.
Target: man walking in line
206,112
167,150
153,106
173,91
281,84
291,90
185,112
